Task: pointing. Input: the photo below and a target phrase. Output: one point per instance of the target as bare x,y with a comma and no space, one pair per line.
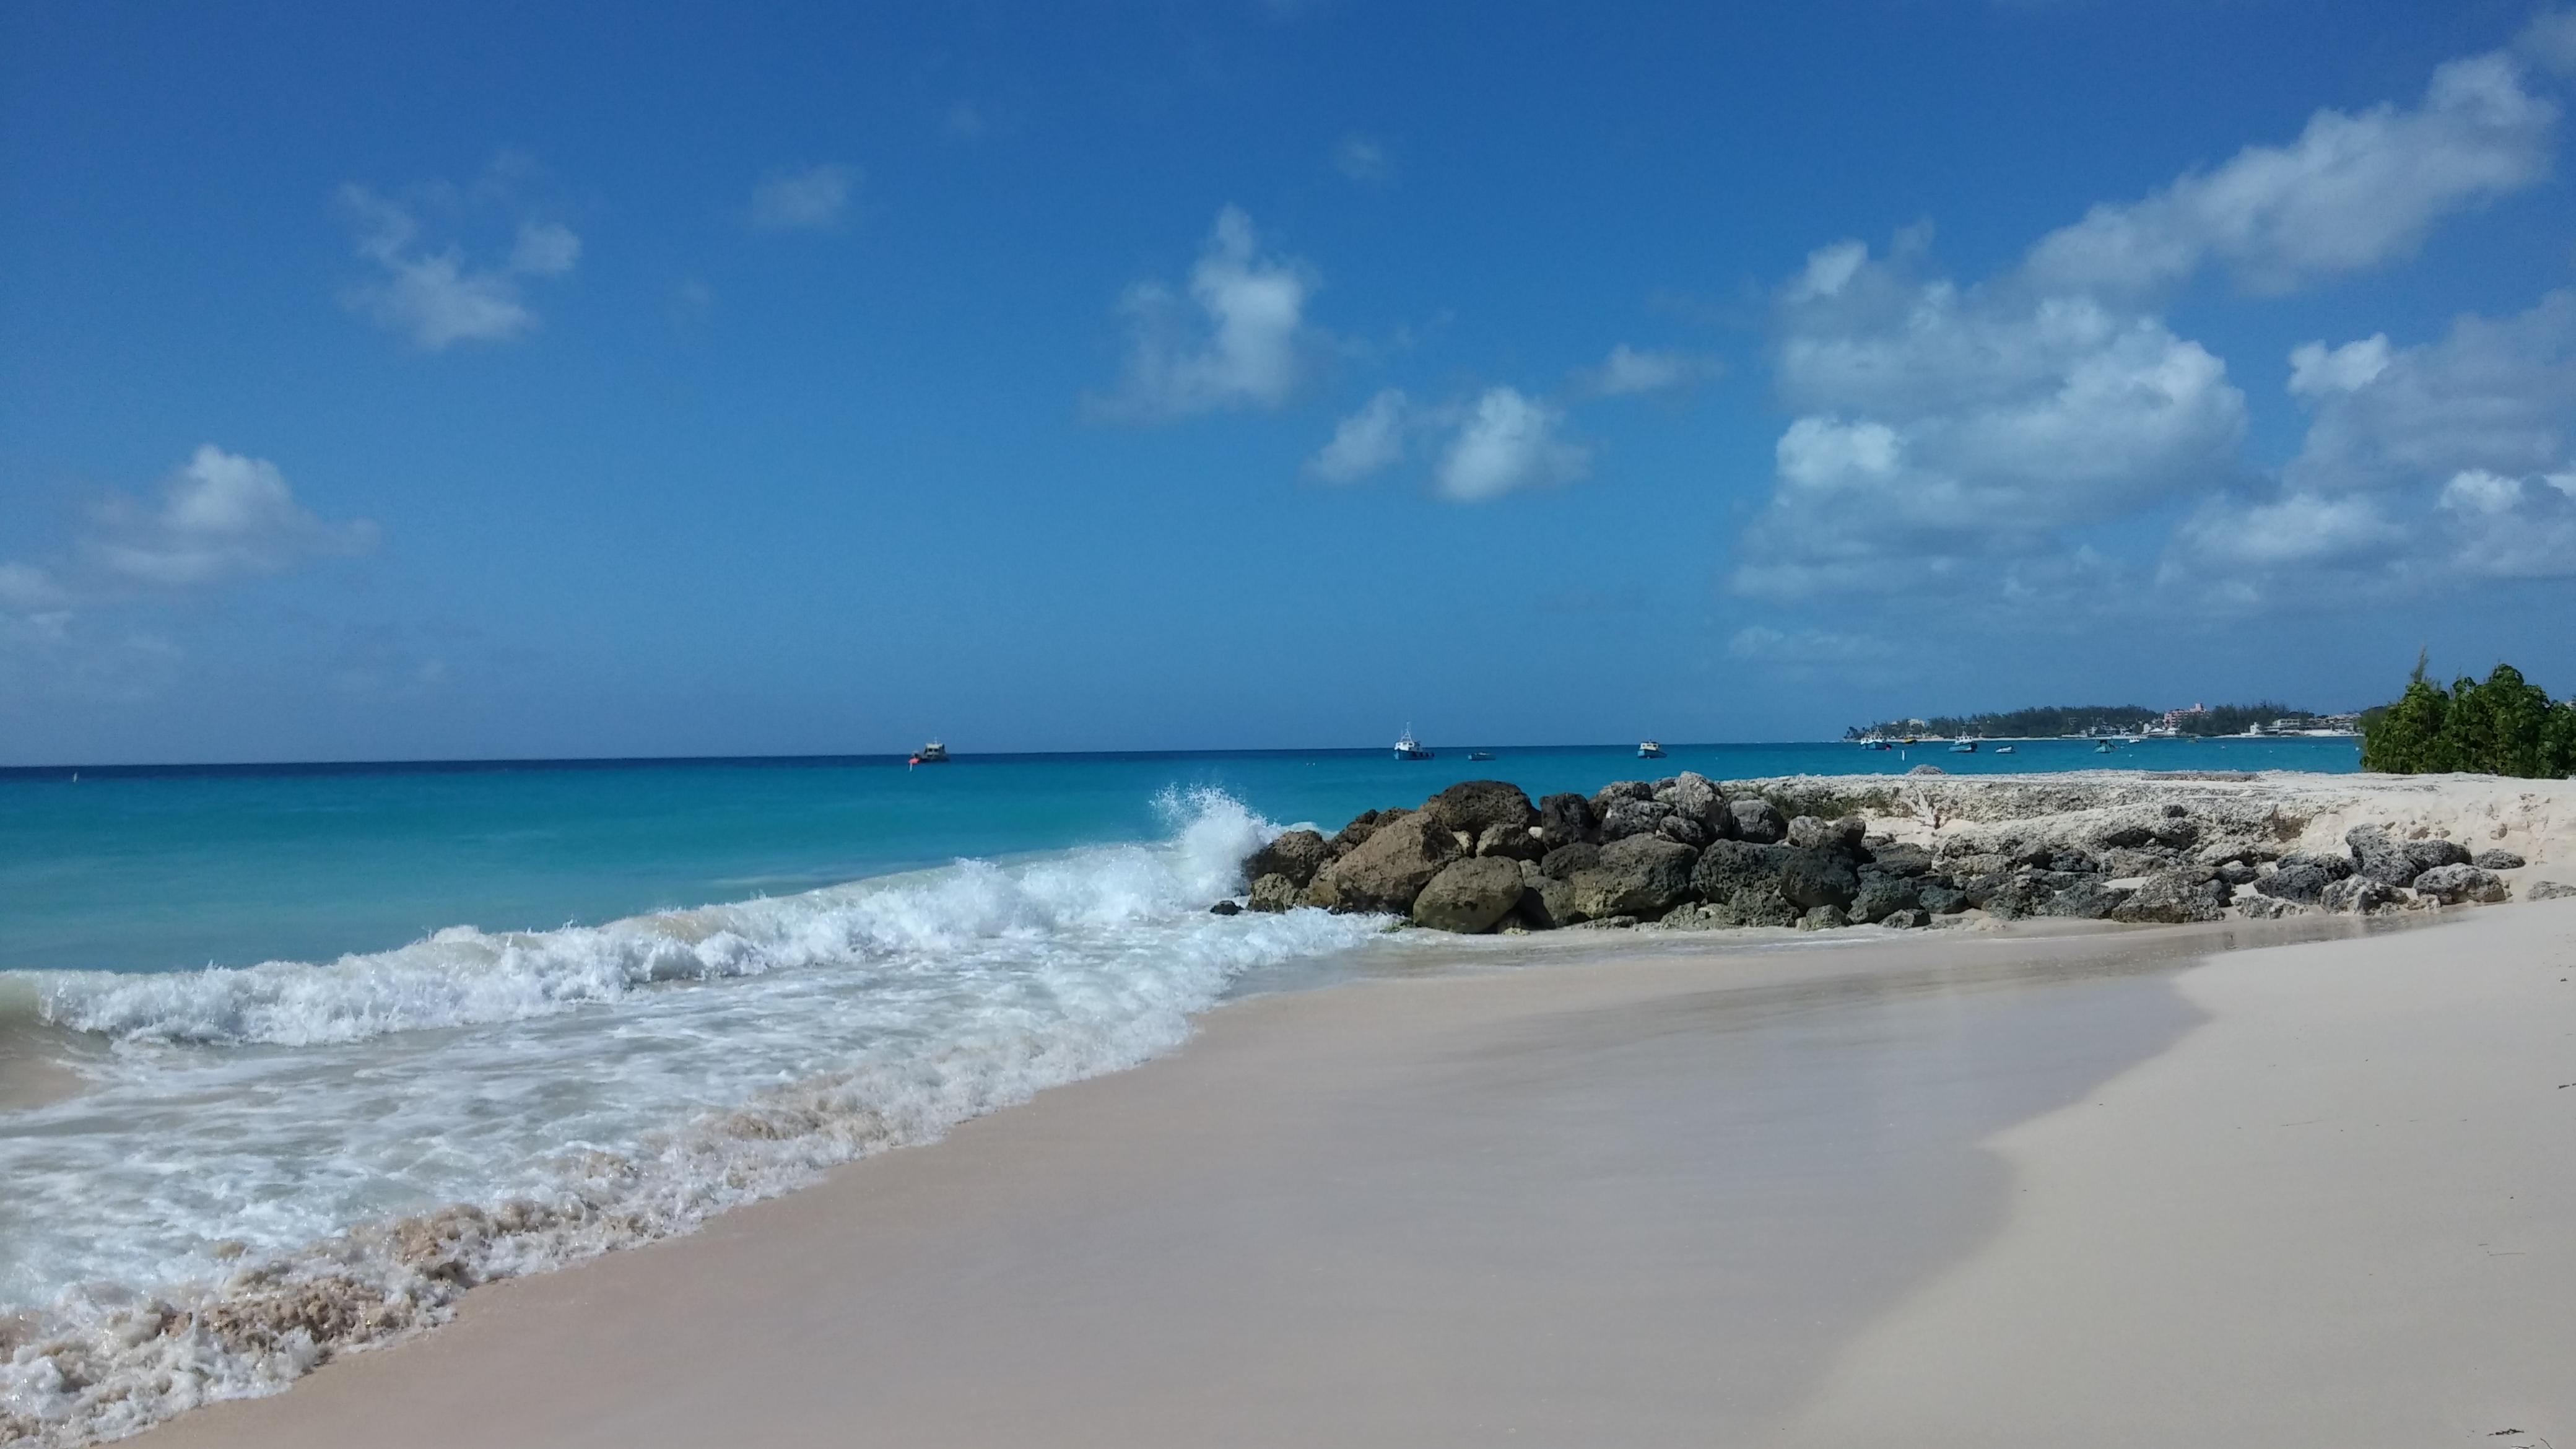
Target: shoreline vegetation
1821,853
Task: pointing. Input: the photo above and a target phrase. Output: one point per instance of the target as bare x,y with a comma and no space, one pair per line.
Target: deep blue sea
251,1016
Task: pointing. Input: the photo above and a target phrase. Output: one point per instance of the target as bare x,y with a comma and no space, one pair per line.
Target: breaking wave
290,1160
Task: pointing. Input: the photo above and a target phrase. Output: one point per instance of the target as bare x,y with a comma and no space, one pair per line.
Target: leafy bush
2503,726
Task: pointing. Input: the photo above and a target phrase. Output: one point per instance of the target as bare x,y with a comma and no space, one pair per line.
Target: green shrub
2505,725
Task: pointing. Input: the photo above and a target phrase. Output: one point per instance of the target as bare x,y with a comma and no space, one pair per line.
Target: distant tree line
2503,726
2076,719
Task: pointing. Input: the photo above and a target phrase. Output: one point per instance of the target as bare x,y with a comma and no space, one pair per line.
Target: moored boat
932,753
1649,750
1409,748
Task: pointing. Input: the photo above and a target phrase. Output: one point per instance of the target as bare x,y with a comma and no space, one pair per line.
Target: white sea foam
290,1160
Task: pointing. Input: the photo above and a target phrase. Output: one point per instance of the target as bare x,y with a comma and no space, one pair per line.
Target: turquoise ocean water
255,1020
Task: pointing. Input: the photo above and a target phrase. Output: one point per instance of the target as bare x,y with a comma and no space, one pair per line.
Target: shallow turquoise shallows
170,869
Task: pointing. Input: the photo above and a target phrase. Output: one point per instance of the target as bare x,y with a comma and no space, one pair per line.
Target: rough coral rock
1469,896
1387,870
2458,884
1296,854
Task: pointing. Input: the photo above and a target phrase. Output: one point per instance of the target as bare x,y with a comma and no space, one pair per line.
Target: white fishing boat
1649,750
1409,748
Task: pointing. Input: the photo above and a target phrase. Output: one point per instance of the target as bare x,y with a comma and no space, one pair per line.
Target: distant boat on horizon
933,753
1480,754
1409,748
2007,749
1649,750
1963,747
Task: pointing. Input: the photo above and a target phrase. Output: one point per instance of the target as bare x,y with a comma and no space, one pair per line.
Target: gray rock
1728,865
2433,854
2336,867
1905,920
2497,860
1881,895
1812,878
2272,908
2237,873
1470,806
1562,862
1296,854
1350,837
1758,906
1942,899
1274,892
1842,836
2548,890
1618,790
1823,918
1225,908
2174,896
1640,875
2303,882
1469,896
1901,859
1758,820
1927,770
2140,825
1682,830
1387,870
1694,916
2358,894
1625,818
1510,842
1548,904
2380,856
2086,900
1568,819
2460,884
1693,797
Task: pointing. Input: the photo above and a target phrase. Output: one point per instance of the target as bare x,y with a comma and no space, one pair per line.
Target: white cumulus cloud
1508,443
1239,338
220,516
813,199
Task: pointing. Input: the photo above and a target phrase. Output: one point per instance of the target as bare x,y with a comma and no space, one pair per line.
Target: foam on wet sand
1946,1190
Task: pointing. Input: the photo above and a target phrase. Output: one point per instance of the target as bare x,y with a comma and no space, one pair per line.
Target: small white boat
933,753
2104,747
1963,747
2007,750
1649,750
1409,748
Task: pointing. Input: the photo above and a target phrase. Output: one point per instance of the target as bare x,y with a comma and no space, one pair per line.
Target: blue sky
496,380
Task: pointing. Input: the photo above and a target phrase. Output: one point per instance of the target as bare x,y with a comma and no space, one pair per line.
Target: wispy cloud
1509,443
1364,160
1367,442
816,198
434,294
1628,370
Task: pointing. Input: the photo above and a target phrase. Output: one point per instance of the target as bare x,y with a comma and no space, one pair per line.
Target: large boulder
1568,819
1388,869
2496,860
1682,830
2380,856
2303,883
2174,896
1811,878
1882,895
2458,884
1562,862
1693,797
1351,836
1641,875
1548,903
2144,826
1901,859
2270,908
1296,854
1470,806
1274,893
1729,865
1753,905
1624,818
1843,836
1510,842
2358,894
1943,899
1758,821
2427,855
1469,896
2089,899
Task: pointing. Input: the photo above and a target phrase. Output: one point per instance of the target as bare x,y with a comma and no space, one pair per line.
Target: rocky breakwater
1825,852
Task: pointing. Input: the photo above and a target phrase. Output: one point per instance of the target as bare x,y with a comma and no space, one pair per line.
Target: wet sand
32,1072
1681,1197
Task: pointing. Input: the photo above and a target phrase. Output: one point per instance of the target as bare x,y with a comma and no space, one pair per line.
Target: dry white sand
1688,1199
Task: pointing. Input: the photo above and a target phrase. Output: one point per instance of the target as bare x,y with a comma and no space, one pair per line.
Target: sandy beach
2133,1187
